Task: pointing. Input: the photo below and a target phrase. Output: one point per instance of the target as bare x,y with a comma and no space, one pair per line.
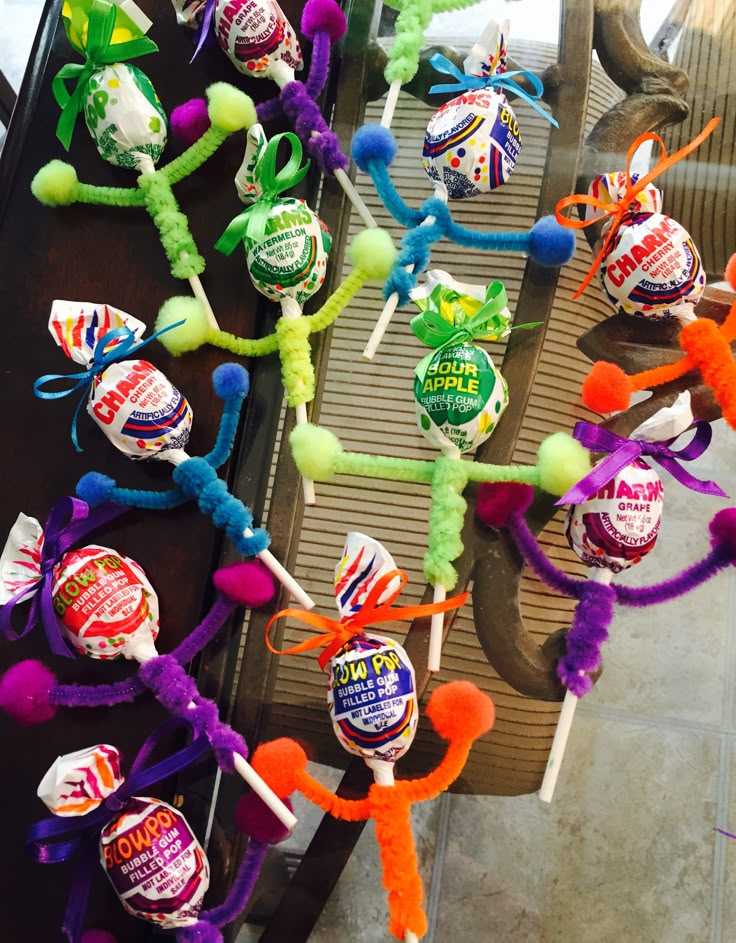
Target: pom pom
730,273
373,251
189,121
200,932
372,142
95,488
254,818
562,461
188,336
550,244
55,184
459,711
323,16
230,380
606,388
97,936
25,692
723,530
315,450
248,583
280,762
229,108
495,503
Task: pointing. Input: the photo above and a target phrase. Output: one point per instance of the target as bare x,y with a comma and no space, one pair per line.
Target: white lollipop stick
390,107
355,198
435,631
557,751
290,309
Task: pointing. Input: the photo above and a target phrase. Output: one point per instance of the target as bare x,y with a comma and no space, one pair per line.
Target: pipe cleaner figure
145,417
286,246
101,816
128,124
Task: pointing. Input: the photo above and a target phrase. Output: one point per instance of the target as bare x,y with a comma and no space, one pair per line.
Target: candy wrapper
130,22
258,39
247,182
457,302
363,561
79,782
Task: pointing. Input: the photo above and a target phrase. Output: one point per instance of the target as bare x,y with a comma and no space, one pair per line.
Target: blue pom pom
229,380
550,244
95,488
372,142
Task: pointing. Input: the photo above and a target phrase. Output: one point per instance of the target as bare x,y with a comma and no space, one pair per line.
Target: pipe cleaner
648,263
128,124
286,246
460,713
146,417
707,348
613,530
149,852
319,455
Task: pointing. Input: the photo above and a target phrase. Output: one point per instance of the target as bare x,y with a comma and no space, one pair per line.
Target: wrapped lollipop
129,127
145,417
648,263
286,246
146,847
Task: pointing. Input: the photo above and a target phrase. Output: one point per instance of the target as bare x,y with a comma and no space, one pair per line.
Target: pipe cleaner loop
403,56
99,51
617,210
336,634
499,82
624,451
312,129
296,363
250,225
172,225
446,515
589,631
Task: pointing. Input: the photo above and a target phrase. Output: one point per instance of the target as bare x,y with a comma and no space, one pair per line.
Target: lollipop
145,417
146,847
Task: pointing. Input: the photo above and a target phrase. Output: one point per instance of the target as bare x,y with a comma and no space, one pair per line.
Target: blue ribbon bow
501,81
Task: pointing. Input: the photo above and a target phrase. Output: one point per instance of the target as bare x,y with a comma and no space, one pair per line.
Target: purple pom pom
98,936
25,692
723,530
248,584
323,16
254,818
189,121
496,503
201,932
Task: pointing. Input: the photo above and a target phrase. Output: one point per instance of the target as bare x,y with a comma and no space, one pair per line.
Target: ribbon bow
204,28
99,51
56,839
618,209
499,82
251,223
126,345
624,451
336,634
67,523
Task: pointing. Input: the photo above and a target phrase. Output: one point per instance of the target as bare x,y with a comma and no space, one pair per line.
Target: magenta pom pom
496,503
25,692
323,16
189,121
254,818
98,936
248,584
723,530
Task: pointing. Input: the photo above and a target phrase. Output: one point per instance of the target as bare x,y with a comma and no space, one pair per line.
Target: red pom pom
25,692
254,818
723,530
606,388
248,584
495,503
730,273
459,711
97,936
189,121
279,763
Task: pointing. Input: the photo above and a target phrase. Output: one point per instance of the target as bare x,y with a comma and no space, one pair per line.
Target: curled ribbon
500,82
126,345
99,51
618,209
251,223
624,451
204,28
336,634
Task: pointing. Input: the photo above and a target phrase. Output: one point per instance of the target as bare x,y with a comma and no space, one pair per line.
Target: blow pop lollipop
145,417
146,847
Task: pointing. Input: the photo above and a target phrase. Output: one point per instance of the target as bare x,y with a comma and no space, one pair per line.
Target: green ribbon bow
251,223
99,52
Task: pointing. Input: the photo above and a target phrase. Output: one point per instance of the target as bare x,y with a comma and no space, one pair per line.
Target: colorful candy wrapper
130,23
247,181
457,302
189,12
258,39
79,782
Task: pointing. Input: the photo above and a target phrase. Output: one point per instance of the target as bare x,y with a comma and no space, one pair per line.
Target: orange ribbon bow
335,634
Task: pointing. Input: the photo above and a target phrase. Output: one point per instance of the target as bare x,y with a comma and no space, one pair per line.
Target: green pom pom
190,335
562,462
229,108
55,184
373,251
315,451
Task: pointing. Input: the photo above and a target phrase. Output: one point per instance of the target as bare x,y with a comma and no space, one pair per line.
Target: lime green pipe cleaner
297,371
172,225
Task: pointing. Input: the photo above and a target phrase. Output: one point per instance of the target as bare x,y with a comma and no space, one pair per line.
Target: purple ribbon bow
56,839
204,28
69,521
624,451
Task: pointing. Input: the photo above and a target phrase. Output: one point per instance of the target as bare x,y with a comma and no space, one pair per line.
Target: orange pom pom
458,710
280,762
606,388
730,274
